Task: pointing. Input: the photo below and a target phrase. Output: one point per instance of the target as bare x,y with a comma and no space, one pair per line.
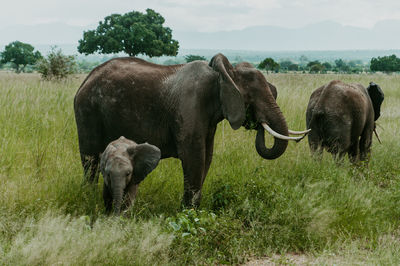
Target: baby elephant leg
130,195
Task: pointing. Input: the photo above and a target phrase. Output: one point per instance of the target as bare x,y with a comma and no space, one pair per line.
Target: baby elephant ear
145,158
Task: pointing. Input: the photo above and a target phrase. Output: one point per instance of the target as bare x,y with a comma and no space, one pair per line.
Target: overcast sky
203,15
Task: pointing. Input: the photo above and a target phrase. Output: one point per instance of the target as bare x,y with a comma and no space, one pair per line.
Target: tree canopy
191,57
19,54
269,64
385,63
133,33
285,64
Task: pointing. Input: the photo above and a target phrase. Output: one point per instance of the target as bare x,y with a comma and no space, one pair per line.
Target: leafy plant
191,222
56,65
200,233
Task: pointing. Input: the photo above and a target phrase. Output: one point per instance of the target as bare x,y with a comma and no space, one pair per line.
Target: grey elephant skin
124,164
176,108
342,119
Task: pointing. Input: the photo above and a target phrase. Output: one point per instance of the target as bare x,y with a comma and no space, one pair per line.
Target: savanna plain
292,210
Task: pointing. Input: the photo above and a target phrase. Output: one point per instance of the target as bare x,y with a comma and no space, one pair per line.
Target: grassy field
251,208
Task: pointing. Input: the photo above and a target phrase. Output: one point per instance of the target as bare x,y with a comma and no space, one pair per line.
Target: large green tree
385,63
269,64
20,55
133,33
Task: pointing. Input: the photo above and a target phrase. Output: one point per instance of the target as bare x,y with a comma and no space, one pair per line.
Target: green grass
250,208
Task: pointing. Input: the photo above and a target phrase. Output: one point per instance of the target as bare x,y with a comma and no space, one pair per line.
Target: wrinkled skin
176,108
342,119
124,164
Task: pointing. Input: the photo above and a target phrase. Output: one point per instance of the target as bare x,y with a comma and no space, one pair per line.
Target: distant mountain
321,36
323,41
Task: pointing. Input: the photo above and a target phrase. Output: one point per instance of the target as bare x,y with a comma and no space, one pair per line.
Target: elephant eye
128,173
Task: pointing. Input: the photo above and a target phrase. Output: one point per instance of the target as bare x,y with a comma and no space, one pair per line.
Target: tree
269,64
311,63
327,66
285,64
385,63
341,66
56,65
191,57
315,66
133,33
303,60
19,54
293,67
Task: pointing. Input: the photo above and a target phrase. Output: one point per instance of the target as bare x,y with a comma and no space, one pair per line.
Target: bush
56,65
189,58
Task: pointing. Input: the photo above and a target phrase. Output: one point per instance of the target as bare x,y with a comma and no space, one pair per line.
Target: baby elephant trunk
117,195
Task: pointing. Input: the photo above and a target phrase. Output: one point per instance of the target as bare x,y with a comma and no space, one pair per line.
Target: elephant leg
107,197
91,145
338,156
365,145
338,151
353,152
315,146
340,145
208,153
130,195
90,165
192,156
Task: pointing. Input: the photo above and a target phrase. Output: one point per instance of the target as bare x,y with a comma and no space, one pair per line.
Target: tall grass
290,205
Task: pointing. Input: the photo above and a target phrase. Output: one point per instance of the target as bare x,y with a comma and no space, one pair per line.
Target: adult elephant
176,108
342,119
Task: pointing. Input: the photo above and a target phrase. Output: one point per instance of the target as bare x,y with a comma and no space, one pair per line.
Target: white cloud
207,15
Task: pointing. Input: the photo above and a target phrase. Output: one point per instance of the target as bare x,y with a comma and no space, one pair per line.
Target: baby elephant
124,164
342,119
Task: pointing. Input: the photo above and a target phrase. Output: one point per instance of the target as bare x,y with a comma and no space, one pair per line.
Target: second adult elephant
342,118
176,108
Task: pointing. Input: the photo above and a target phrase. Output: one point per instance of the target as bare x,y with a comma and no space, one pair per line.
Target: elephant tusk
376,134
280,136
292,132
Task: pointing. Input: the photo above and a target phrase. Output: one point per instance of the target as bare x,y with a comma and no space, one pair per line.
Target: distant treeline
24,59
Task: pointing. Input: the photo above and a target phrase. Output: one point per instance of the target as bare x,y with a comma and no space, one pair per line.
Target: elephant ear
232,101
145,158
377,96
273,89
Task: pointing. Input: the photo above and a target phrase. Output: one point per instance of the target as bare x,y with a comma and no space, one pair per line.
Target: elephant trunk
117,192
278,124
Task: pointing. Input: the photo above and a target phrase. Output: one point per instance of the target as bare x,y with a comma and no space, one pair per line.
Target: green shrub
56,65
